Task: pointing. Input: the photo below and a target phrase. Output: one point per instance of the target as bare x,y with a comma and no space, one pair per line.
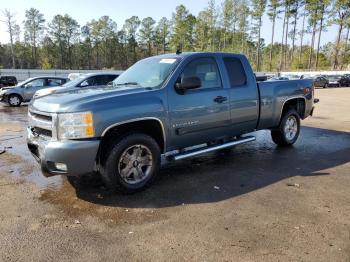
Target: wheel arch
149,125
297,103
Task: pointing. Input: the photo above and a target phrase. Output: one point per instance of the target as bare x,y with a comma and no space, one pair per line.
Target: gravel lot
256,202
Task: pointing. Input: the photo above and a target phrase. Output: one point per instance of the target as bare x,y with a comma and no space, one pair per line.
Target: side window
98,80
36,83
235,71
88,82
54,82
102,80
206,70
111,78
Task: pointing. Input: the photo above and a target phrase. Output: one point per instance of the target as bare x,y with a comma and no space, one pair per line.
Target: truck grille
40,123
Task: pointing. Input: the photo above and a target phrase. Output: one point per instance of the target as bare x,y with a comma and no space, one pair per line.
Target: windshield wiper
129,84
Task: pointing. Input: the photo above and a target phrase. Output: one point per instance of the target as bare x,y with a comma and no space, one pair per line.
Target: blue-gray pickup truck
163,108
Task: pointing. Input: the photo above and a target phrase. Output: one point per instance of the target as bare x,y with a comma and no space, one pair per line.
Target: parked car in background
8,81
82,81
73,76
321,81
345,81
24,91
334,80
292,77
279,78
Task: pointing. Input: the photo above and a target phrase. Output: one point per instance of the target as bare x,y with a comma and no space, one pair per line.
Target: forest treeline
225,26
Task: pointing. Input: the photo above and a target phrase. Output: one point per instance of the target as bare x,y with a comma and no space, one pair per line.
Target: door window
235,71
54,82
110,78
206,70
88,82
101,80
36,83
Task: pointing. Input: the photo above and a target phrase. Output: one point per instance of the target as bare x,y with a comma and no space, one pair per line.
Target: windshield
25,81
149,72
74,82
334,77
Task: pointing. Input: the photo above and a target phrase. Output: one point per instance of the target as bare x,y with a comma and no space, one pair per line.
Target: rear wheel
325,86
288,130
131,163
14,100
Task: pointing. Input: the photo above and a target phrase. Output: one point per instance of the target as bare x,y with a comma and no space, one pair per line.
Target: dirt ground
255,202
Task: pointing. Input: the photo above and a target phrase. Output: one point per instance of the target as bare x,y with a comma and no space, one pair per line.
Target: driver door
30,88
202,114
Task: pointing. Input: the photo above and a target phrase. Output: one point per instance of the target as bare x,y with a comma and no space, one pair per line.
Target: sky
119,10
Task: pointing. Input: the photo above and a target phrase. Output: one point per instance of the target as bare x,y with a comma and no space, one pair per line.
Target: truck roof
187,54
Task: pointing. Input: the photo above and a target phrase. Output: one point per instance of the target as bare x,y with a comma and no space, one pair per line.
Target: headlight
75,125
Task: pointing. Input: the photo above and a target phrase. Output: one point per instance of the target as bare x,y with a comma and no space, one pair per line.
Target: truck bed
273,95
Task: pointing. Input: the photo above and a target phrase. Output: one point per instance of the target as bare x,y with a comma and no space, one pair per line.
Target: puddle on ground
17,161
177,181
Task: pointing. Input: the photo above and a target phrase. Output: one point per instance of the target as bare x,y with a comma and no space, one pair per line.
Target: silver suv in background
24,91
82,81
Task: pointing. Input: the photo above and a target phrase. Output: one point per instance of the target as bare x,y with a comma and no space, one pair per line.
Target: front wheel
14,100
131,163
288,130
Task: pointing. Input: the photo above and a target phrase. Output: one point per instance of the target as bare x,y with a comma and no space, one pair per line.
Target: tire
122,162
280,135
14,100
325,86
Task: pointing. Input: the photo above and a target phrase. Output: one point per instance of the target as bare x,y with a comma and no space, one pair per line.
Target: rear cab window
235,71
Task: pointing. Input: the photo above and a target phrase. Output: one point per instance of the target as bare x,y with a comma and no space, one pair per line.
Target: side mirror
187,83
110,83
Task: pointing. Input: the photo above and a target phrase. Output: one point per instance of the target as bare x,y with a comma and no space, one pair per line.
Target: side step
192,153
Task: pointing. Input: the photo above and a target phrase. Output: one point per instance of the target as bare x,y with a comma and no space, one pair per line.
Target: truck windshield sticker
167,61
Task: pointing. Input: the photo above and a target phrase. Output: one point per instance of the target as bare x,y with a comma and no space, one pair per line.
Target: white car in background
82,81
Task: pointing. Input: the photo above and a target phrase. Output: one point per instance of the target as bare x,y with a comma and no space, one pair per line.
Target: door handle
220,99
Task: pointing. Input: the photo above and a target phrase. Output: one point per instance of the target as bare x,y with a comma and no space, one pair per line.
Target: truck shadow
226,174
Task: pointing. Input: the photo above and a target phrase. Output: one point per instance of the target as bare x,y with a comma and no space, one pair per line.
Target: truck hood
69,100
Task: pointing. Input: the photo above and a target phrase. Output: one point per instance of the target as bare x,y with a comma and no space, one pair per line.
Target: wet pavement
250,203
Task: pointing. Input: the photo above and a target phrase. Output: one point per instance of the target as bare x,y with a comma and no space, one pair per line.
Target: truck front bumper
70,157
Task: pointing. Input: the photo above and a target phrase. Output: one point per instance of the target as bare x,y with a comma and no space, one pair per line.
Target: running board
212,148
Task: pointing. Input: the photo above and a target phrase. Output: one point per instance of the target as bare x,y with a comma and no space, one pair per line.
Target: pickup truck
163,108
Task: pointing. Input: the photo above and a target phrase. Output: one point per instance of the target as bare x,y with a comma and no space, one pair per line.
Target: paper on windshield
167,61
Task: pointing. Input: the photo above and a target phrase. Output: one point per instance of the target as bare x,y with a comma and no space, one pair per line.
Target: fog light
61,167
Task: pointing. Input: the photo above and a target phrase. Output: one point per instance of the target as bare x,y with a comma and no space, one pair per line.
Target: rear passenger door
243,96
202,114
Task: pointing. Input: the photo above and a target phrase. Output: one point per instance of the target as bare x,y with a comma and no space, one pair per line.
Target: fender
136,120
